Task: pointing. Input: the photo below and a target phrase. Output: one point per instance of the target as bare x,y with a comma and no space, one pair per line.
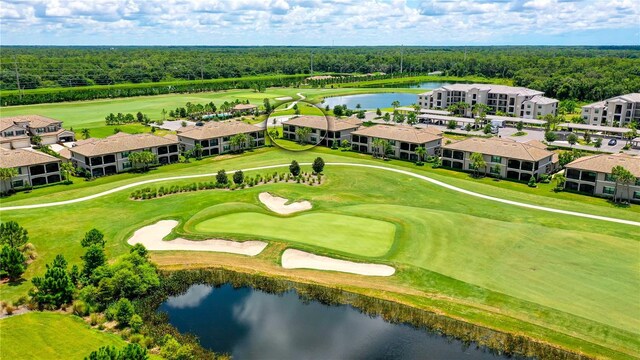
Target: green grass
559,278
90,114
348,234
39,335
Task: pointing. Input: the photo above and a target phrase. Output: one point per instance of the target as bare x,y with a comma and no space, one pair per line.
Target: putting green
349,234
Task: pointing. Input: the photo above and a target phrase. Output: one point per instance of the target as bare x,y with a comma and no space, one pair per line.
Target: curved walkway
292,104
378,167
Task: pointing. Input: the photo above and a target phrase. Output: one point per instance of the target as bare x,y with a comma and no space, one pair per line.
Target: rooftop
325,123
119,142
216,129
402,133
539,99
501,147
492,88
611,129
605,162
35,121
22,157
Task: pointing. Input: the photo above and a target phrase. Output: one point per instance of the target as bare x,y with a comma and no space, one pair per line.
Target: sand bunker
284,98
151,237
277,204
296,259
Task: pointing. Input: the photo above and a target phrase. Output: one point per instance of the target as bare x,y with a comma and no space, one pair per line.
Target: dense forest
583,73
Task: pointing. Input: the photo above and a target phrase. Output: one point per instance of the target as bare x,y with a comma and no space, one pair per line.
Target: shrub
80,308
136,323
94,319
124,312
318,165
221,177
532,182
294,168
9,309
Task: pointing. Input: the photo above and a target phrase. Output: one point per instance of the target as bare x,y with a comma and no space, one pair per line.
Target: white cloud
354,22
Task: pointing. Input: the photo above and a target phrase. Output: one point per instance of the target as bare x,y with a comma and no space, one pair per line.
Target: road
377,167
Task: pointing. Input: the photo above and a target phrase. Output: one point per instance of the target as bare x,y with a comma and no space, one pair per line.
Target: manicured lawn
560,278
45,335
349,234
91,114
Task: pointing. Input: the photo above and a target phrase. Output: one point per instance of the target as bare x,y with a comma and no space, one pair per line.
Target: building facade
215,137
504,158
17,132
325,131
403,140
514,101
110,155
34,168
592,175
618,111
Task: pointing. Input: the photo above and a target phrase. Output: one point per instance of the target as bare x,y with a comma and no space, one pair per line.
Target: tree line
584,73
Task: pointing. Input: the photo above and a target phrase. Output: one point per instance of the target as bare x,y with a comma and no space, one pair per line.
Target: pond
371,101
251,324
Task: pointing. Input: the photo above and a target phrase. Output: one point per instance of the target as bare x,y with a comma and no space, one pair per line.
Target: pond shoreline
502,343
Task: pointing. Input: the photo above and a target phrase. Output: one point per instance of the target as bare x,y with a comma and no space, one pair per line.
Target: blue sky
319,22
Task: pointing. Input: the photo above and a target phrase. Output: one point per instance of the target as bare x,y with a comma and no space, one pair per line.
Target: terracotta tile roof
492,88
35,121
500,147
605,162
22,157
215,129
402,133
119,142
325,123
539,99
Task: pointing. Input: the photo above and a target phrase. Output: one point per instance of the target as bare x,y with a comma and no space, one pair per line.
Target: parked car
613,142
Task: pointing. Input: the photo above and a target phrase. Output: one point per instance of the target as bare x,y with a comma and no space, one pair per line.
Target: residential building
514,101
504,158
592,175
404,140
16,131
34,168
111,155
617,111
244,109
324,130
215,137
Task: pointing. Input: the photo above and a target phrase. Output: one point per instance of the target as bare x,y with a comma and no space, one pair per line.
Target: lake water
251,324
371,101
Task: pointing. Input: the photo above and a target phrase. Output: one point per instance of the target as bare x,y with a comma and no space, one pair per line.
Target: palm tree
623,177
378,145
164,114
67,169
197,150
560,180
395,103
303,134
477,162
86,133
36,140
420,152
8,174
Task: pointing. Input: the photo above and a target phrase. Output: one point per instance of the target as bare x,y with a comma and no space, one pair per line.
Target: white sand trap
151,237
277,204
296,259
284,98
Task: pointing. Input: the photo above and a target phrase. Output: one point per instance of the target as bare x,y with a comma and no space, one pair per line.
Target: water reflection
251,324
371,101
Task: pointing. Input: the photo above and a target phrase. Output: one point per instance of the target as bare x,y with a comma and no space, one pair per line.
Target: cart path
377,167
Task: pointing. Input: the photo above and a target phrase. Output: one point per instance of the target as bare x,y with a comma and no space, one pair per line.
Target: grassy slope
570,275
50,336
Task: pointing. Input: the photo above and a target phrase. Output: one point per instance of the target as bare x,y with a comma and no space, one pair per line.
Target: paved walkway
399,171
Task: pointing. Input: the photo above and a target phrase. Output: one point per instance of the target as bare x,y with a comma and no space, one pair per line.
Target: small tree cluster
14,241
129,352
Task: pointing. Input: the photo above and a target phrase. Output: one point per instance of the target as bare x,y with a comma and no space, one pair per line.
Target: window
125,154
20,183
20,132
226,148
636,194
126,165
608,177
609,190
496,159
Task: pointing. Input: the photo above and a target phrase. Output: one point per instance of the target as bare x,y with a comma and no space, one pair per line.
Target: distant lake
251,324
427,85
371,101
